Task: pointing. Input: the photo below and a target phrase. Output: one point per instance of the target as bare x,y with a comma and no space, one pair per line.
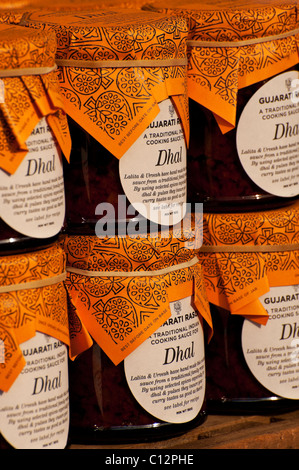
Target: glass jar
242,87
128,114
32,197
137,368
34,340
250,264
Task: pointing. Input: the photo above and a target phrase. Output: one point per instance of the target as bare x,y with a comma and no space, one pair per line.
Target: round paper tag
272,350
32,200
268,136
166,374
34,413
153,170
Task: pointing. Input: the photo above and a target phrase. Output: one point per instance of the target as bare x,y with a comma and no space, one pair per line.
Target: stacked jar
136,294
34,332
251,268
137,313
243,164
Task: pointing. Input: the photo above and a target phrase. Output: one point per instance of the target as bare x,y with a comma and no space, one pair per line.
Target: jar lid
233,45
250,230
120,60
232,20
244,254
32,298
29,90
120,288
111,35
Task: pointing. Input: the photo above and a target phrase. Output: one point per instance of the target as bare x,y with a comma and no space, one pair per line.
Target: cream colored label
34,413
268,136
272,351
166,374
153,170
32,200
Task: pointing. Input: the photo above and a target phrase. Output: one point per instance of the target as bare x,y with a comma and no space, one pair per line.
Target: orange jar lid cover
116,67
233,44
244,254
32,298
29,90
120,288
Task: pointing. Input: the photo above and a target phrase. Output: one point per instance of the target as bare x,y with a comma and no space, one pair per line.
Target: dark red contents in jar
12,241
111,413
215,174
231,387
91,178
4,445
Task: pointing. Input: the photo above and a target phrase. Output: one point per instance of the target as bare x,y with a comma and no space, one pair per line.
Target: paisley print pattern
231,275
25,311
215,74
115,104
121,311
30,97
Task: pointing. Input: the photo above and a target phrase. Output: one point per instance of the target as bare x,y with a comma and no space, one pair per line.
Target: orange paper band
131,308
26,71
96,64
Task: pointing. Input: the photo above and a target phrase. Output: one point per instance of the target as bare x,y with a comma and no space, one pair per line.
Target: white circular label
34,413
272,351
166,374
153,170
268,136
32,200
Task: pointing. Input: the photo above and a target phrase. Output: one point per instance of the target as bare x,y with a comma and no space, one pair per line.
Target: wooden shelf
279,431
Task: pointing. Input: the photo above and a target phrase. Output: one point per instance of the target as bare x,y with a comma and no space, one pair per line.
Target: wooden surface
279,431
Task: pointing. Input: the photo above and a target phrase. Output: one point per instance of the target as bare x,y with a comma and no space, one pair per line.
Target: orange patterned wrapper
233,44
29,90
32,298
116,67
14,15
120,288
245,254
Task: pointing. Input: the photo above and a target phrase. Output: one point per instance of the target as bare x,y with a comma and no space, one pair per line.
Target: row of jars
147,220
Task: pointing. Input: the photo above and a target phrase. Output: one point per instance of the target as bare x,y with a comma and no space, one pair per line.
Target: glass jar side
91,178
